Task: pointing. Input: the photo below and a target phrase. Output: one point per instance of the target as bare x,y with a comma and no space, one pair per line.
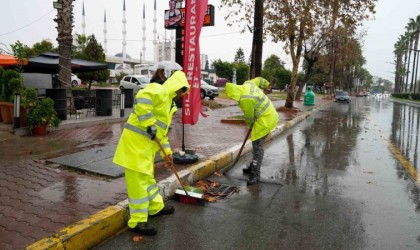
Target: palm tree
410,29
416,43
64,22
406,41
399,70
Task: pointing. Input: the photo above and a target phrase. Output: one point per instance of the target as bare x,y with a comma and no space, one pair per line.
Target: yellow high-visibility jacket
259,112
260,82
154,107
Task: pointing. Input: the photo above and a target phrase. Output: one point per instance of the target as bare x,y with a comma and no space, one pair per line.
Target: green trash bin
309,97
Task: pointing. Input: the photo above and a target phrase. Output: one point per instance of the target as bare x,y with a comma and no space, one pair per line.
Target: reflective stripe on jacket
259,112
154,107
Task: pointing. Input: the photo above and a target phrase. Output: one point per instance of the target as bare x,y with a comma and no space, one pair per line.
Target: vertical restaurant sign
194,16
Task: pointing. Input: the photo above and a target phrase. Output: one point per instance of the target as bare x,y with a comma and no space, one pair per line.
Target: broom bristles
189,200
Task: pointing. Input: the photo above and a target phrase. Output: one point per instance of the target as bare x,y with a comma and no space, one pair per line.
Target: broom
242,147
193,195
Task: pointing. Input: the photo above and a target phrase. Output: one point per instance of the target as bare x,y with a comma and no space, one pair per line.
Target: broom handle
242,147
171,166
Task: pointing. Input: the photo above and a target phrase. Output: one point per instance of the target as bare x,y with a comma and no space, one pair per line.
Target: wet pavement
330,182
38,198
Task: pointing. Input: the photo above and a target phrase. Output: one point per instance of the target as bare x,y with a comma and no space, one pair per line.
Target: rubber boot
167,209
144,229
253,179
248,170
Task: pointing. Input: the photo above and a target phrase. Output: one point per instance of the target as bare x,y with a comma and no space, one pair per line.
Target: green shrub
8,86
43,112
401,95
415,96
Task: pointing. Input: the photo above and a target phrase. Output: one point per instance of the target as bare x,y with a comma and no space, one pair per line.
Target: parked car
208,90
342,96
377,95
221,82
75,81
136,82
360,94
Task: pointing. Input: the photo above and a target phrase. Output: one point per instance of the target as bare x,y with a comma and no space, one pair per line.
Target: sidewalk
38,199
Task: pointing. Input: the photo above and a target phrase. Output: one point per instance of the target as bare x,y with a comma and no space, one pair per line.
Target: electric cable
27,24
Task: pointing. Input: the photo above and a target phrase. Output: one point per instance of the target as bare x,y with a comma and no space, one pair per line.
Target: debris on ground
212,104
214,191
137,238
218,174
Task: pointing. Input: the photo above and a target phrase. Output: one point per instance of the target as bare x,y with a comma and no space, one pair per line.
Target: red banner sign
194,13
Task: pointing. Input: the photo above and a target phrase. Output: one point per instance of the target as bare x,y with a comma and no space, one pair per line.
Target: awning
7,61
48,63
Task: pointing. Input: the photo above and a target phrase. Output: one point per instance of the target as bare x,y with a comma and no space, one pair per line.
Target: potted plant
10,83
29,98
41,115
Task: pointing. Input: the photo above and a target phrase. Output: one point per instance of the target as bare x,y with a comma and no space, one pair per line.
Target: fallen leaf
217,174
137,238
210,199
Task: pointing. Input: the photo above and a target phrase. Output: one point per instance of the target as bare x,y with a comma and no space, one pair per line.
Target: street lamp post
16,113
122,104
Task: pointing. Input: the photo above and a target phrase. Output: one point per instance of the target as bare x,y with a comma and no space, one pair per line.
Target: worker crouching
136,149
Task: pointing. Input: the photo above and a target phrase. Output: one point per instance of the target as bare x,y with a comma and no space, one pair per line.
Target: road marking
403,160
406,164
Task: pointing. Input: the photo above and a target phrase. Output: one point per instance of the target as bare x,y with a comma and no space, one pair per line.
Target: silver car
342,96
208,90
136,82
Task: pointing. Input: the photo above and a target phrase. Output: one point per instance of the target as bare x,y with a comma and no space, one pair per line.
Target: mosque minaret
144,30
83,20
154,25
124,32
105,31
159,49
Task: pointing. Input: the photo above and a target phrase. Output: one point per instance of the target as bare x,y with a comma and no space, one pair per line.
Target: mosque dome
121,55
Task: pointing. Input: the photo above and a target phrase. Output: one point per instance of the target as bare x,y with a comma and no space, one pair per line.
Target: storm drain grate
214,191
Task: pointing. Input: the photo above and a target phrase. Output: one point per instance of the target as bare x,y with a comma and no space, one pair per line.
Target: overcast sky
31,21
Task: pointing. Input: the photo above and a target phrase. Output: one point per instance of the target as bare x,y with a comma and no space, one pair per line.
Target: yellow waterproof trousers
143,196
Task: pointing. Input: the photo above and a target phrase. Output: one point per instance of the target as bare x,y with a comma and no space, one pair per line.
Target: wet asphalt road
331,182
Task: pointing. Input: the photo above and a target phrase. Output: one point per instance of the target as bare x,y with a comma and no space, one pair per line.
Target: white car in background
75,81
134,82
208,90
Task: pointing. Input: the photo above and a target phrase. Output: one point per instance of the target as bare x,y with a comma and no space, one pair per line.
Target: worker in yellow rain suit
260,116
136,149
262,83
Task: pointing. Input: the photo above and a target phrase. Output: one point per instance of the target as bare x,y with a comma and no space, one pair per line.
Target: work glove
151,130
169,160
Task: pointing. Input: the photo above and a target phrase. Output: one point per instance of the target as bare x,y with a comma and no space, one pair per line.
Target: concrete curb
94,229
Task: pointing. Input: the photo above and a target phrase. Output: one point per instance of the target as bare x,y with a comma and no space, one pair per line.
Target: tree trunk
257,41
64,38
310,59
296,47
404,83
415,81
397,74
291,89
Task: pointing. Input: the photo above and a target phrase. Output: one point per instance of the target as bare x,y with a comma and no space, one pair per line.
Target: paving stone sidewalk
38,198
